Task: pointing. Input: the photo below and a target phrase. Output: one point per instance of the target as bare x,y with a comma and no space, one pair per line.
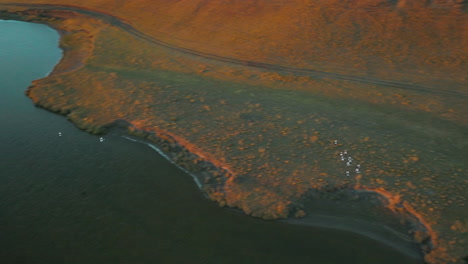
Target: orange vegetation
272,93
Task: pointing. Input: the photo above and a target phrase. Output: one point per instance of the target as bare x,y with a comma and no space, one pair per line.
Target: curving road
116,21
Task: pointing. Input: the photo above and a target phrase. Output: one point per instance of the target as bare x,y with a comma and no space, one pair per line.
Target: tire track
115,21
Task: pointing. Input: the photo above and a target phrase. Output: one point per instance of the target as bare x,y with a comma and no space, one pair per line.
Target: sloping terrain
275,105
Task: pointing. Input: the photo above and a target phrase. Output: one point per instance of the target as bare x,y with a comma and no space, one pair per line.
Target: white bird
359,165
336,141
60,134
345,152
347,173
101,139
348,163
357,171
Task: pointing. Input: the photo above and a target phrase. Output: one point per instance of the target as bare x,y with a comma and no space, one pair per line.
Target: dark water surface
72,199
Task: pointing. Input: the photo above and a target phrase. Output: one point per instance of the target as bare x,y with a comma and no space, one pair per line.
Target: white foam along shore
384,233
195,178
376,231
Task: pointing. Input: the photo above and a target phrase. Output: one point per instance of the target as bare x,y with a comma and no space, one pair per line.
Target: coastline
400,240
171,149
213,175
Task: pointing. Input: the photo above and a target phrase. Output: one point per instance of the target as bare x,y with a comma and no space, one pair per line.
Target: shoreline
400,240
196,180
183,156
211,175
382,233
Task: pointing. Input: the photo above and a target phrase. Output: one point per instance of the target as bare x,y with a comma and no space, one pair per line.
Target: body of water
73,199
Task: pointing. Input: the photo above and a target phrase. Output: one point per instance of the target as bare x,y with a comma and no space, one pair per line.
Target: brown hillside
261,98
418,40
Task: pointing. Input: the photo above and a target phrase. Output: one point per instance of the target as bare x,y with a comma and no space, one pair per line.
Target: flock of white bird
344,157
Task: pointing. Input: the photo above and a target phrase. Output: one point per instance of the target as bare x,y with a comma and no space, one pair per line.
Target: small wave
195,178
